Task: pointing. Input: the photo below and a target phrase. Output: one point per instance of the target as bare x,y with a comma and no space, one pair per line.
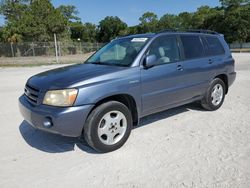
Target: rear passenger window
192,46
214,46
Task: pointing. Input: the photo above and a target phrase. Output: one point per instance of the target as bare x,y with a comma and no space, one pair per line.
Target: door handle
179,67
210,61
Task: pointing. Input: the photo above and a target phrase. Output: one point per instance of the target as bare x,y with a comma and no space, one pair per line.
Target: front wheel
108,126
214,96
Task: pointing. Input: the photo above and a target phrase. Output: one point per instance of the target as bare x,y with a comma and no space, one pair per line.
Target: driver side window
165,49
117,52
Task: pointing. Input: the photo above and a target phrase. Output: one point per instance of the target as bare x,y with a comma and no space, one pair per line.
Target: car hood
66,77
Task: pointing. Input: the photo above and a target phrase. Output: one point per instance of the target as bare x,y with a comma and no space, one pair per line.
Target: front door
162,84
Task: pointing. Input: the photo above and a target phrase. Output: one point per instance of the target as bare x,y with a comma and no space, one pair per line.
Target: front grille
31,93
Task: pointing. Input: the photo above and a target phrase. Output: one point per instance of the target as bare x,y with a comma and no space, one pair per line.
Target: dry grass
43,60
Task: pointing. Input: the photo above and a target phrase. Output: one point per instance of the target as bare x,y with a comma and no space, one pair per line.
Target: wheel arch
125,99
224,78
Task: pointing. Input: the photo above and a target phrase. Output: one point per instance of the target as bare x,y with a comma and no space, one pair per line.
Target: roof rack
190,31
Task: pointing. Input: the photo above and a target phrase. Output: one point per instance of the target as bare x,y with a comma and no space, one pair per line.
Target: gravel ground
182,147
43,60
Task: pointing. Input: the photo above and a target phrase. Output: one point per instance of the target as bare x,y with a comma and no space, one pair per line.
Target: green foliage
69,12
148,22
186,20
38,20
84,32
32,20
168,21
232,21
109,28
76,29
133,30
228,3
237,21
214,20
13,10
89,32
202,15
1,34
42,21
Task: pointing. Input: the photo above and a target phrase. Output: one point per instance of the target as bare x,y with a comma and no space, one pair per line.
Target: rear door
196,65
214,52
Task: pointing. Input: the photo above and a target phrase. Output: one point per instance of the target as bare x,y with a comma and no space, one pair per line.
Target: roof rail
190,31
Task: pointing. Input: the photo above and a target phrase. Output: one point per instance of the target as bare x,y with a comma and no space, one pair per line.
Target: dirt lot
182,147
43,60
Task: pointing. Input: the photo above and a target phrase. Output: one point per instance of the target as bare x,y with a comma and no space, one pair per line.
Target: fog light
47,123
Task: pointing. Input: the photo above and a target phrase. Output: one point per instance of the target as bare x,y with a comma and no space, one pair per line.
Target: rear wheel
108,126
214,96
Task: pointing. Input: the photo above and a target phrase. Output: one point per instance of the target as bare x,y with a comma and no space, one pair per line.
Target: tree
228,3
69,12
237,23
38,20
1,34
133,30
32,20
203,14
148,22
89,32
168,21
186,20
13,10
85,32
42,21
76,30
109,28
213,19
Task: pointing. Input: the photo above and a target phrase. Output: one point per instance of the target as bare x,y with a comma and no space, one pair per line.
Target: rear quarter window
192,46
214,46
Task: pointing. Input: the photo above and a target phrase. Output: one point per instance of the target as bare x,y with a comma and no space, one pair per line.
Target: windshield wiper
101,63
97,62
109,64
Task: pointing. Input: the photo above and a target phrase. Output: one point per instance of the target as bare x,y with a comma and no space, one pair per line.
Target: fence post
80,45
33,50
56,48
81,48
12,50
59,49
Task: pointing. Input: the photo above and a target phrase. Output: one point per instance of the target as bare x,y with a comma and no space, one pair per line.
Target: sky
129,11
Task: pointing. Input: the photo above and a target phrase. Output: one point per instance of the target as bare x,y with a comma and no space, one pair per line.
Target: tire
214,99
108,126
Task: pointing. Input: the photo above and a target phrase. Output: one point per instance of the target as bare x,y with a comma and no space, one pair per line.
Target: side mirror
149,61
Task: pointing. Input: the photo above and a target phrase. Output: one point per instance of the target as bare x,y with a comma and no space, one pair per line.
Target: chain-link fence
33,53
46,52
240,47
28,49
46,48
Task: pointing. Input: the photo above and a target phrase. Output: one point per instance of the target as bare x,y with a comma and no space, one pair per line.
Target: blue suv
129,78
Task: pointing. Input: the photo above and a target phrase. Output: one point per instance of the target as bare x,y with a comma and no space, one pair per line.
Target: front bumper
65,121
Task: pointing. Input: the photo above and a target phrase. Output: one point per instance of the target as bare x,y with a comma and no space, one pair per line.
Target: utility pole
57,61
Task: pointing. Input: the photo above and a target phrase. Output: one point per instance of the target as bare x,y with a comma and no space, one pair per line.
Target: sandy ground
44,60
182,147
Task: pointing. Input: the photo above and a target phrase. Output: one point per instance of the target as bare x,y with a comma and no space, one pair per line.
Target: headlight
64,97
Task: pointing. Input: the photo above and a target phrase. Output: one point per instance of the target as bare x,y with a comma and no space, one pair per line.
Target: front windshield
120,52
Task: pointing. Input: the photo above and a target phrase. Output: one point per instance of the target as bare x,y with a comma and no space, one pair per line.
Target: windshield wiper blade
97,62
106,63
101,63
